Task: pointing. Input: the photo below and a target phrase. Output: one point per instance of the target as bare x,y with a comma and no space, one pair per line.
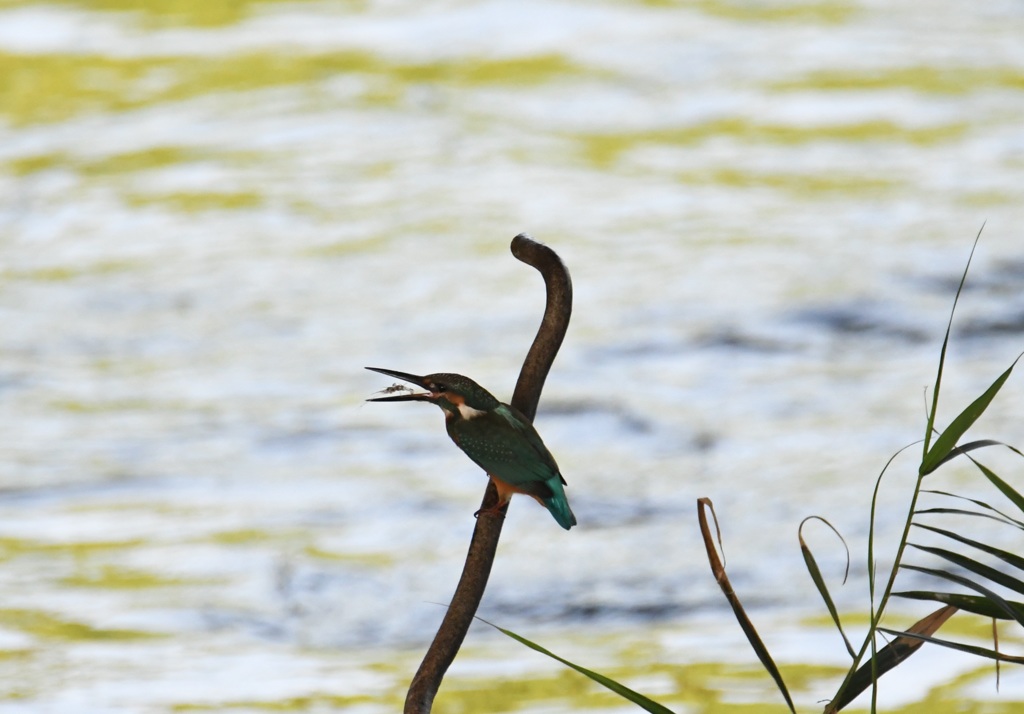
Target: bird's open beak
405,377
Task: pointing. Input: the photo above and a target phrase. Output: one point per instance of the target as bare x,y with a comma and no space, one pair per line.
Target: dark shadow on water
626,421
860,320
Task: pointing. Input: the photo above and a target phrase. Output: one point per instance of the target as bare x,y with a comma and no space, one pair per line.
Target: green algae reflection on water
47,626
43,88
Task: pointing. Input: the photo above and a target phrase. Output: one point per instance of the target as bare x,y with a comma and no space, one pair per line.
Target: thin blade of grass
877,607
992,597
975,604
942,353
718,569
1006,556
962,512
819,581
622,690
946,441
891,655
972,446
995,647
1005,488
970,649
970,564
1006,518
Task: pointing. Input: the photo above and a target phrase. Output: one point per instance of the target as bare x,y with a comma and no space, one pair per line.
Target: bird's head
454,393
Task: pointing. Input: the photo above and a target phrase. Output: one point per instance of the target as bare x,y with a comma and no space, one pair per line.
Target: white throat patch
469,412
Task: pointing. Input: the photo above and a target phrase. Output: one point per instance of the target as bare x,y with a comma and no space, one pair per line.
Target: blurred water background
213,215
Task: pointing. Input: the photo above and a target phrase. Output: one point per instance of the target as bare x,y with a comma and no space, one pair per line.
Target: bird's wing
498,448
521,424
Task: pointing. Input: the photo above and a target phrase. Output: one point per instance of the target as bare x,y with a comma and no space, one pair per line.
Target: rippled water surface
214,215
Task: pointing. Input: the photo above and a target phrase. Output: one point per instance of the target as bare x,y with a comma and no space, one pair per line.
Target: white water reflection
765,217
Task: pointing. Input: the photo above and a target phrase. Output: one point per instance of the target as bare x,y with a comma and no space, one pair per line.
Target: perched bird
496,436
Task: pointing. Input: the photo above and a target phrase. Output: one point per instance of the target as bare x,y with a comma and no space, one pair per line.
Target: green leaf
962,512
843,695
991,596
819,581
1004,518
934,410
968,603
1004,487
970,649
946,441
972,446
996,576
1007,557
607,682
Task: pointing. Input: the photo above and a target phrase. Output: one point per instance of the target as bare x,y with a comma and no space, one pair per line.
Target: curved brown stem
482,547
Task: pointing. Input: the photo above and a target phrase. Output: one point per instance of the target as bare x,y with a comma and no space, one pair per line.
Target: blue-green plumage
497,437
504,444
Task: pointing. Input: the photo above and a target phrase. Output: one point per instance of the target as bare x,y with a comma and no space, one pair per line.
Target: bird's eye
440,388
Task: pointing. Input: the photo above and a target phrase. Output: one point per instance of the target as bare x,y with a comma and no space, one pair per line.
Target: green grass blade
996,576
718,569
1009,520
622,690
968,603
942,352
819,581
946,441
877,607
1005,556
1006,489
889,656
991,596
972,446
970,649
963,512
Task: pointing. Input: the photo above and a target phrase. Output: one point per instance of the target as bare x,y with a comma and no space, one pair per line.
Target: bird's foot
497,510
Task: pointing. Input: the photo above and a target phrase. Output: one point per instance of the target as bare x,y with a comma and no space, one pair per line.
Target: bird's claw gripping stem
497,510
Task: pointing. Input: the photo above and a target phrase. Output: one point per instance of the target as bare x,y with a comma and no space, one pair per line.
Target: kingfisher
495,435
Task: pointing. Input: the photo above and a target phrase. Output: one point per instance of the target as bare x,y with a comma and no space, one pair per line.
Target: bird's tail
558,504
